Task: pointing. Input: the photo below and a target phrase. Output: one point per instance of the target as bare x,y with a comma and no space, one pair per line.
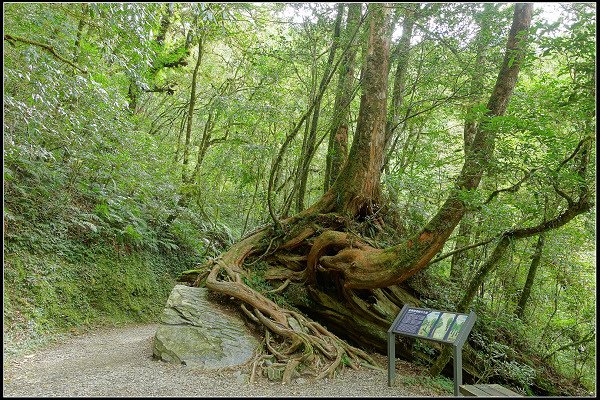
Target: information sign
430,324
438,326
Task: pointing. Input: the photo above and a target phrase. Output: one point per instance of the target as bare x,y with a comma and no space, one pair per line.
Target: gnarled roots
293,344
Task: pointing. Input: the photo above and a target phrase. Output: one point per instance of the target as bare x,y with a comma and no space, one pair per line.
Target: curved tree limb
574,209
50,49
512,189
455,251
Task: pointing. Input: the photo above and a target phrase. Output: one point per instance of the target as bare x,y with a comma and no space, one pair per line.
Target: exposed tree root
301,253
299,345
316,264
298,268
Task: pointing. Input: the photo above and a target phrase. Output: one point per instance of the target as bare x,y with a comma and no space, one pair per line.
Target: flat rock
195,332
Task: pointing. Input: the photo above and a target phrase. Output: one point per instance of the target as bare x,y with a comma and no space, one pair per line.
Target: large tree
106,106
327,269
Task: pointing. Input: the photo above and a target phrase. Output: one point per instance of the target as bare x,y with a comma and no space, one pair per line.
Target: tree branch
168,89
577,148
440,258
50,49
512,188
587,338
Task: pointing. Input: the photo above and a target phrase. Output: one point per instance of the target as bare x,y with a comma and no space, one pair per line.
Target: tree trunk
457,263
357,185
309,147
337,148
132,95
80,26
205,142
535,262
403,55
190,115
185,177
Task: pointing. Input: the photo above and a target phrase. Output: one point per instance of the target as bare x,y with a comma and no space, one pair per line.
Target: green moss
46,295
440,384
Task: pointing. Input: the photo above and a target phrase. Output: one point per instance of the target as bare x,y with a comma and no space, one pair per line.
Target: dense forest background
142,140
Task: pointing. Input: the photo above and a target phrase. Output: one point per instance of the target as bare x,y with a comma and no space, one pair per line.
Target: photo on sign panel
428,323
460,320
442,325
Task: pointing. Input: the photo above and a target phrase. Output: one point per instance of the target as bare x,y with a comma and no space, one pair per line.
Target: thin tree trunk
457,262
204,143
535,262
180,134
253,199
470,128
403,51
132,95
406,154
337,149
80,26
484,36
309,148
190,116
184,199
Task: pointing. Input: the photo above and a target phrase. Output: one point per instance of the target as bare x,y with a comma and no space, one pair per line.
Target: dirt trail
118,362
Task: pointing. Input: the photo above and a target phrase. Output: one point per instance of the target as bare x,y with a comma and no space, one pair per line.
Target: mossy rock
198,333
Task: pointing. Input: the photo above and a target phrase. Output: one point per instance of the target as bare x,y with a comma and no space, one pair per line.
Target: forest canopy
322,164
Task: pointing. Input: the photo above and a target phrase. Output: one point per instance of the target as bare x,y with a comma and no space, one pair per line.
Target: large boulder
197,332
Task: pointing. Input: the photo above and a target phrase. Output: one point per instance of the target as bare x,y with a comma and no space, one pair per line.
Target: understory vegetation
322,164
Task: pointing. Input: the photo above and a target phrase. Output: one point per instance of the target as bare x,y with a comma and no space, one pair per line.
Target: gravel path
118,362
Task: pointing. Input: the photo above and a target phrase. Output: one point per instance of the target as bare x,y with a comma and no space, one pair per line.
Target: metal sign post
437,326
457,368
